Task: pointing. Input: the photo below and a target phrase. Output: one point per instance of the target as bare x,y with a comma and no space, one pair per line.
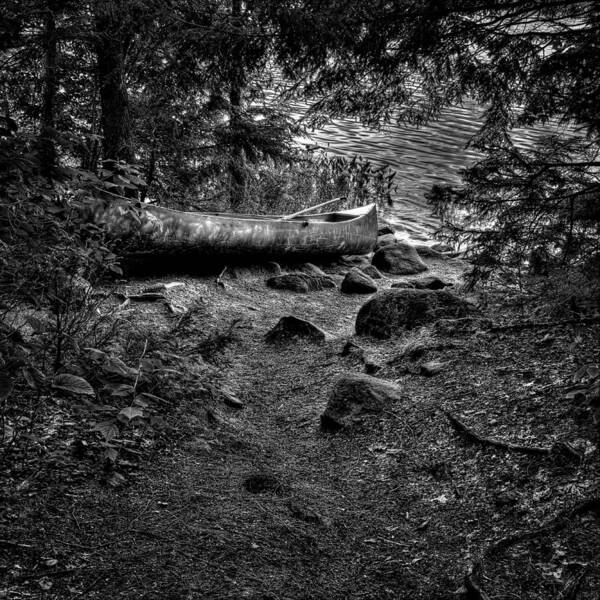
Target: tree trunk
237,162
115,119
47,149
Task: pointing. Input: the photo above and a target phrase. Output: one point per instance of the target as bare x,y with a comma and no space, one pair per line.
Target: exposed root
546,325
471,589
471,436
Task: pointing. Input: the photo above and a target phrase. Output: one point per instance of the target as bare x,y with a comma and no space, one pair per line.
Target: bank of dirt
260,503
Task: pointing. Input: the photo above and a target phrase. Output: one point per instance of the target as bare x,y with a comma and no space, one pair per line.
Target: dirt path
260,503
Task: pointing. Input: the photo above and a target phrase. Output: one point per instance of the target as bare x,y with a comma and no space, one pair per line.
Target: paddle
305,210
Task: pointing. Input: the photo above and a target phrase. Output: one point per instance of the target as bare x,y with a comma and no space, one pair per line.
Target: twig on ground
219,281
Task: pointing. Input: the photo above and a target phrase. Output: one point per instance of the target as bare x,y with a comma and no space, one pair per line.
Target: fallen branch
471,436
219,281
545,325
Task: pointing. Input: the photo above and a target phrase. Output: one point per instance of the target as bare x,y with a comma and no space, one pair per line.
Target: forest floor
260,503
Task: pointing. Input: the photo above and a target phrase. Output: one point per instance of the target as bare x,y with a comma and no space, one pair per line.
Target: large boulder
399,259
426,251
393,310
357,282
355,397
290,328
389,239
300,282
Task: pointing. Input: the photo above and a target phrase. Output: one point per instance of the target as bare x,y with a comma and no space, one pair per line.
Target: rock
371,271
354,261
440,247
273,267
393,310
355,397
300,282
231,399
265,483
292,327
432,367
357,282
311,269
399,259
429,283
403,284
425,251
301,511
385,230
464,325
385,240
162,288
372,367
352,349
506,498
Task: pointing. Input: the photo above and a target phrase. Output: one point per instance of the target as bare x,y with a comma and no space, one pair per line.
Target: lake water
420,156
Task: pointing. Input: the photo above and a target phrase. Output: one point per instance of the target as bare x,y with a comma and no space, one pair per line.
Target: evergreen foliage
528,62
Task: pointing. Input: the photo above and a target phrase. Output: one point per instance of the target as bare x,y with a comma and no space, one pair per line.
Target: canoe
148,229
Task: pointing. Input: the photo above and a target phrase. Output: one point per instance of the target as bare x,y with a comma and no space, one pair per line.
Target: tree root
560,448
547,325
471,589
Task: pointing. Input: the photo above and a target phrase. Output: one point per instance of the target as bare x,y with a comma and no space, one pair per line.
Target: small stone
352,349
392,311
385,230
372,367
357,282
371,271
354,261
427,251
312,269
302,512
291,327
231,399
300,282
430,283
433,367
506,498
273,267
399,259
